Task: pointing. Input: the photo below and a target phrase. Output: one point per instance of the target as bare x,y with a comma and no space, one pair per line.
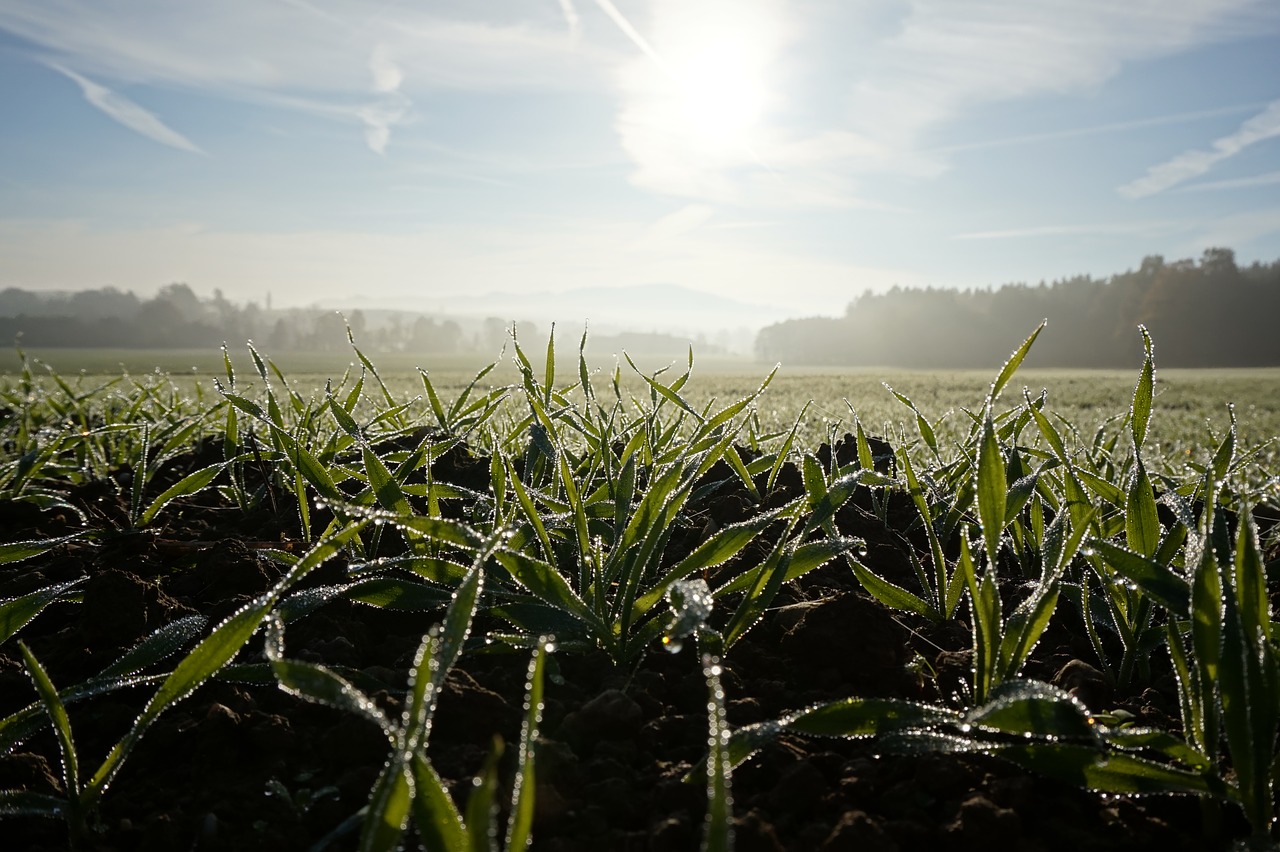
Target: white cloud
393,106
1191,164
379,118
387,76
1101,229
126,112
1265,179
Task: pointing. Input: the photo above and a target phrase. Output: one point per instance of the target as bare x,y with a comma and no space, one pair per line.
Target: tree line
176,318
1205,313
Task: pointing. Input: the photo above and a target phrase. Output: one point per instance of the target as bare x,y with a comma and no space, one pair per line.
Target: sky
786,156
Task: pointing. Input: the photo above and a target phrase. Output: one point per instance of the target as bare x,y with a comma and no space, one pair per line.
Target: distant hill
1206,313
667,308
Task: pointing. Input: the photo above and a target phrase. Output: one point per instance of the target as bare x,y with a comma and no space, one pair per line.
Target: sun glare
720,90
707,74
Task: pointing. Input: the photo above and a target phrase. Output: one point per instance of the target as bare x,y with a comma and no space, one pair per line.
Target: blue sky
788,155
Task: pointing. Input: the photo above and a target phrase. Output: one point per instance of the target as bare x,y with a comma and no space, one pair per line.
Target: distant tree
329,332
282,336
183,299
95,304
493,334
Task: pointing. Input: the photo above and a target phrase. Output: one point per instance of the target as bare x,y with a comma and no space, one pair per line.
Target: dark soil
246,767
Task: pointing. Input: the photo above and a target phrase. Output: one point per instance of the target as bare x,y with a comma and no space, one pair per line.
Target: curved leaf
184,487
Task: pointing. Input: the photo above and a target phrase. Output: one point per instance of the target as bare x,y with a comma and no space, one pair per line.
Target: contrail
632,33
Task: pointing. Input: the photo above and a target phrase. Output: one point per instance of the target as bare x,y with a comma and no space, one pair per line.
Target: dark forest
1205,313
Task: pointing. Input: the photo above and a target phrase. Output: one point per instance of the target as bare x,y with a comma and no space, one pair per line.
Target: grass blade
435,816
1141,523
991,488
1011,366
892,596
1155,579
317,684
16,551
545,582
390,801
1109,772
482,809
160,644
1143,394
24,803
1023,629
57,713
16,612
185,487
520,824
716,550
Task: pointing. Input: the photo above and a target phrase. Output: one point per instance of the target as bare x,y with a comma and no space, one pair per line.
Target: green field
1191,404
1078,584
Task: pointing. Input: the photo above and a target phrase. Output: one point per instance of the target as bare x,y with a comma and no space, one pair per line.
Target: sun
703,84
720,89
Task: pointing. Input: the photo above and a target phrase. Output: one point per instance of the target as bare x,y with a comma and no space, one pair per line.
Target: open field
683,622
1192,403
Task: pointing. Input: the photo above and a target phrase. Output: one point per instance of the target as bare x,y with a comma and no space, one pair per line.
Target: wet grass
1131,498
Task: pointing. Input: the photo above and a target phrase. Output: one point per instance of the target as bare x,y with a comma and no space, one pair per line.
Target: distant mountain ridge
671,308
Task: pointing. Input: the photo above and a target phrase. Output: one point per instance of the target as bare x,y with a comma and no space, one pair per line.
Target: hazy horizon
783,158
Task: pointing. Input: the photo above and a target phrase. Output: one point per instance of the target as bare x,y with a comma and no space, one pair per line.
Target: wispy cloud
1191,164
1099,129
1265,179
951,55
1239,230
297,53
1099,229
392,107
128,113
571,18
244,45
